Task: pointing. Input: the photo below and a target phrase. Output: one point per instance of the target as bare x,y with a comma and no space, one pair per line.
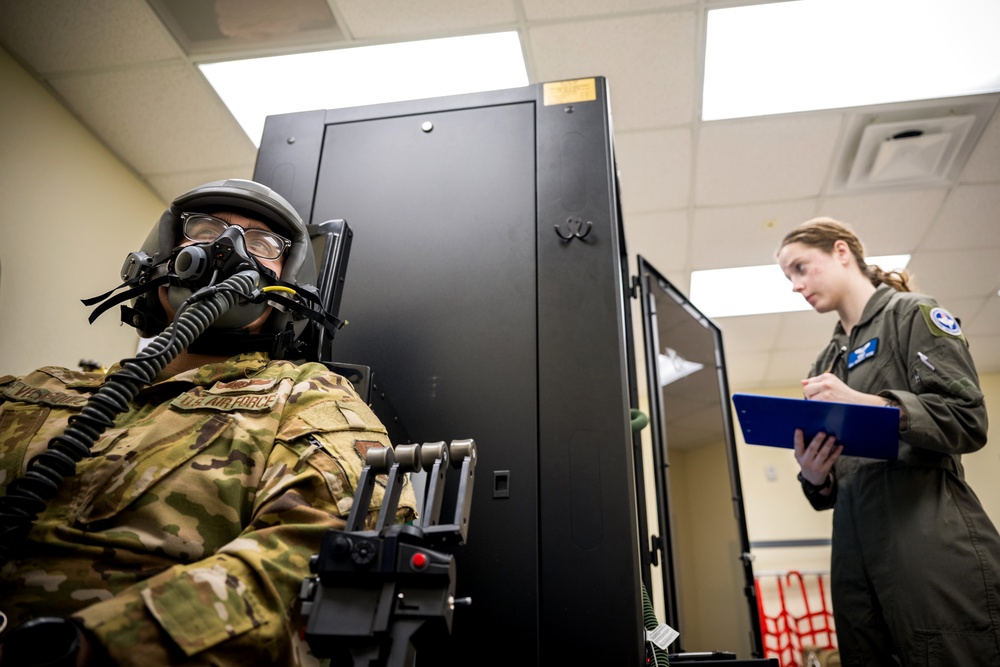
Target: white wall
70,213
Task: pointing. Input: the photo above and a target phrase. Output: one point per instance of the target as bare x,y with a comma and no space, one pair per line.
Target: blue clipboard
863,430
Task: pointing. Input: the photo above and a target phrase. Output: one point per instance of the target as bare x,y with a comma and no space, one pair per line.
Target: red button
418,561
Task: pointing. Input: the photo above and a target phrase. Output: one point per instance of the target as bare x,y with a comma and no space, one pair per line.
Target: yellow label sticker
569,92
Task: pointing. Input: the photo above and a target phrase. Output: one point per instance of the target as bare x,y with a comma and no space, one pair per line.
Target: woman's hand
816,459
829,387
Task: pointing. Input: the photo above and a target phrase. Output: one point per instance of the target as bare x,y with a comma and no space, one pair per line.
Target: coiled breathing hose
27,496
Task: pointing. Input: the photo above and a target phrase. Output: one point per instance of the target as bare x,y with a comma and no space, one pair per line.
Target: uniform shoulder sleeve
944,406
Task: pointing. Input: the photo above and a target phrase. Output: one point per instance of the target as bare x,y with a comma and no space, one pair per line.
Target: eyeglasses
260,242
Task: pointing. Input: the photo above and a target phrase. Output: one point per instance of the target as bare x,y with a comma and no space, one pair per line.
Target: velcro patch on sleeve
940,322
244,385
341,415
353,420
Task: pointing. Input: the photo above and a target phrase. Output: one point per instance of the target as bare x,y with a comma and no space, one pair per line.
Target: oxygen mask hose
27,496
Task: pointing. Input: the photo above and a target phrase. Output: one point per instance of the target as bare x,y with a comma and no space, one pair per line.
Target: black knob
364,553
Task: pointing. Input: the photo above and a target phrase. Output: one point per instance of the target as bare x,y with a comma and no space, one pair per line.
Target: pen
840,354
926,361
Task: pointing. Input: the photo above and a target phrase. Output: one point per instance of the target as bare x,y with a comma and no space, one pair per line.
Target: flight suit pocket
929,373
130,467
950,647
203,607
18,425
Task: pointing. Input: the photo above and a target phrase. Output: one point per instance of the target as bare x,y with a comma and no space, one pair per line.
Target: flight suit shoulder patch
940,322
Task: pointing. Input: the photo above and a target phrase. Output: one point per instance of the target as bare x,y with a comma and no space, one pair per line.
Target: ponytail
897,279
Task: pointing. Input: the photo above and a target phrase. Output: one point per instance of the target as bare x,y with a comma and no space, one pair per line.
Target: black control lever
375,595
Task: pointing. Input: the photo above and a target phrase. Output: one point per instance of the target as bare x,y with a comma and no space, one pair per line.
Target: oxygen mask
216,250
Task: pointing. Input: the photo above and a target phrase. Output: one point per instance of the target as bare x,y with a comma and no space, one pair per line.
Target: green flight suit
915,572
185,537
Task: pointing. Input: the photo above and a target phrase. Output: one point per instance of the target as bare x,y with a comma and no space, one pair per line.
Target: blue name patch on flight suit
866,351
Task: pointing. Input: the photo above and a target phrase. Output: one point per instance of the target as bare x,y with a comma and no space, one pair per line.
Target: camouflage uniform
185,537
915,561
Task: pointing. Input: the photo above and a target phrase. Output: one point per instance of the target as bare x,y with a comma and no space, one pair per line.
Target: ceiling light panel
758,290
823,54
256,88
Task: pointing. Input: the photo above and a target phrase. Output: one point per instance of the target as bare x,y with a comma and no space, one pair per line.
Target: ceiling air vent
923,143
919,152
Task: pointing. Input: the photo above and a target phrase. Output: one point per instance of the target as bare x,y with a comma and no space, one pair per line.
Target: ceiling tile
967,312
789,364
746,371
764,159
805,330
986,320
184,124
984,163
654,169
661,238
749,333
743,235
956,273
649,62
364,18
536,10
985,353
970,218
888,223
68,35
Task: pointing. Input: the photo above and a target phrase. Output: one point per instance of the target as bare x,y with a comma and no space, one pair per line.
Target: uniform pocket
129,468
18,425
203,607
955,647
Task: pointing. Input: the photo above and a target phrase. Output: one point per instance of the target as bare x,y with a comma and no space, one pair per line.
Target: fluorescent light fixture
825,54
256,88
673,367
758,290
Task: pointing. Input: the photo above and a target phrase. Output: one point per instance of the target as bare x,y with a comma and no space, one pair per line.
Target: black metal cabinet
486,290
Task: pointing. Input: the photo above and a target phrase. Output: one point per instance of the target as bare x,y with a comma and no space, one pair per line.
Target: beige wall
70,213
713,608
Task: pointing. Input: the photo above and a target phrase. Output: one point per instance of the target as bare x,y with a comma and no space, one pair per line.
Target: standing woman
915,568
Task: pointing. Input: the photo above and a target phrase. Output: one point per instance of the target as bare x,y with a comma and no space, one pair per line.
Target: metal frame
648,274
